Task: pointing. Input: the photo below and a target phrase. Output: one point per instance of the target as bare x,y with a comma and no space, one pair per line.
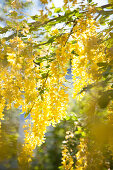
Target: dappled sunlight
34,70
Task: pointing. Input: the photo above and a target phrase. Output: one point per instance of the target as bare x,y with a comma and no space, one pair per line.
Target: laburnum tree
35,53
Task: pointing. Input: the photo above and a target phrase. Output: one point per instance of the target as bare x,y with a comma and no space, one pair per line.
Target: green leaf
20,17
53,6
101,64
73,52
47,66
57,10
41,92
51,59
61,19
35,17
67,117
51,39
4,29
83,134
44,75
110,93
21,113
77,132
74,42
111,23
99,8
27,113
107,72
40,60
14,14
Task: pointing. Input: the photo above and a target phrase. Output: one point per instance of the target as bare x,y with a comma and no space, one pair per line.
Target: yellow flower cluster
81,155
67,160
2,105
88,53
38,88
47,108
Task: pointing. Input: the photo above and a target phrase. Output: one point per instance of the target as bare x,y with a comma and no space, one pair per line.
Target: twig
71,31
